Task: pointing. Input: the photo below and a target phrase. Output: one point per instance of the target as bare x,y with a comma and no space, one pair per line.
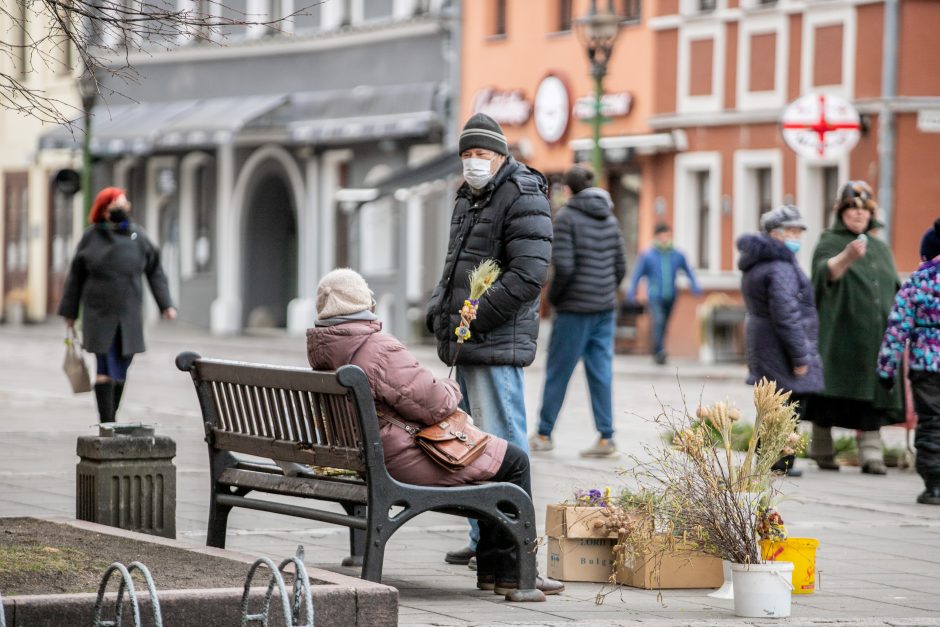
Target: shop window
499,17
705,6
203,244
564,16
763,184
829,188
703,216
630,10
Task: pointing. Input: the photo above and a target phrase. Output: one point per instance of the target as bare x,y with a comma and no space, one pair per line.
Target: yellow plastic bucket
802,553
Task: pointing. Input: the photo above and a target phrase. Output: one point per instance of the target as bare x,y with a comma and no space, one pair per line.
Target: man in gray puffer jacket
589,264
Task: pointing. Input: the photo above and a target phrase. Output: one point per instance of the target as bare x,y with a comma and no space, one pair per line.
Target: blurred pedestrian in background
659,265
782,326
855,281
588,265
105,280
502,213
915,318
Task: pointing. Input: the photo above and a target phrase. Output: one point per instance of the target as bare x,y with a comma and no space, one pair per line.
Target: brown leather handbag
453,443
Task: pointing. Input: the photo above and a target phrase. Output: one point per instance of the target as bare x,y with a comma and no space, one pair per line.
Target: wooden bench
328,419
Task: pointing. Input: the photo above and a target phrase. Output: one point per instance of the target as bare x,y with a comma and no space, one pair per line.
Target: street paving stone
879,558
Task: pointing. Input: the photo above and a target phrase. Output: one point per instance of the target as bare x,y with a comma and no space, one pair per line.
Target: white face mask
477,172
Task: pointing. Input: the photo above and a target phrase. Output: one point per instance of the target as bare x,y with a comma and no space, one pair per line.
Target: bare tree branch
104,34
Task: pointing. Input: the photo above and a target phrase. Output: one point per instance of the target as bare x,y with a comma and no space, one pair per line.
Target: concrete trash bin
126,478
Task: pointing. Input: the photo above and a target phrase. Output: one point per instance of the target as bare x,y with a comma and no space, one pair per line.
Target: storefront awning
646,144
359,114
216,120
437,168
120,129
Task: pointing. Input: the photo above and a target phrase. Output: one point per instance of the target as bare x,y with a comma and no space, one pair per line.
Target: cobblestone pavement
879,559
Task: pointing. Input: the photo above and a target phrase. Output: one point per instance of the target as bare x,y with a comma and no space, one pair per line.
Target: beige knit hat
343,292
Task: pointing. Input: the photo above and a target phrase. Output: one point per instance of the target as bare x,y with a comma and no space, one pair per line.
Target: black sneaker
930,496
461,557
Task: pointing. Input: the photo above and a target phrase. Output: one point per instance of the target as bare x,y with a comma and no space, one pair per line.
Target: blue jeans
575,337
495,397
660,310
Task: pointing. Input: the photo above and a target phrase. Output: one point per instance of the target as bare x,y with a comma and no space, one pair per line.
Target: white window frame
331,14
808,192
715,30
187,211
685,212
760,24
746,163
814,17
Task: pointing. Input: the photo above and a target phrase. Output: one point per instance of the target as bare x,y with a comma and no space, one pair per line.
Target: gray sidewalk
879,558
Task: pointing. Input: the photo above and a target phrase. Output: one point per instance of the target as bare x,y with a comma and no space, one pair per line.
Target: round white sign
551,109
820,126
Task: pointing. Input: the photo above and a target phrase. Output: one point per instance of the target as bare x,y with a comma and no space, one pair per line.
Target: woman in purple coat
782,327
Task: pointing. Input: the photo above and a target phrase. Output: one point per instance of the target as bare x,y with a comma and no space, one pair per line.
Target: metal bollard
126,479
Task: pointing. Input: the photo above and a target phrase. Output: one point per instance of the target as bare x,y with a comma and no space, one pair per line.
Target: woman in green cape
855,281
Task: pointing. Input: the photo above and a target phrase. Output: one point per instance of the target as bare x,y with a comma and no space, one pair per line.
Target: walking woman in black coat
782,327
104,279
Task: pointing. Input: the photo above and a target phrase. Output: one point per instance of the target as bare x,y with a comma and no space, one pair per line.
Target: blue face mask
793,244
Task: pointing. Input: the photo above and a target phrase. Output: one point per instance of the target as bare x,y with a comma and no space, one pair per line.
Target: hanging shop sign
552,109
509,107
612,106
821,126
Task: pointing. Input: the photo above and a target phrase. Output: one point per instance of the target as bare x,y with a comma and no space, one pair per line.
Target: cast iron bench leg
357,537
218,522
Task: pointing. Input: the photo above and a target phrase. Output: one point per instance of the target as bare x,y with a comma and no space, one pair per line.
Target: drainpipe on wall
886,122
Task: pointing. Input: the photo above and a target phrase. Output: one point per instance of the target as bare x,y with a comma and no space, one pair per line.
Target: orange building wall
868,39
917,199
666,75
795,59
530,50
920,48
731,65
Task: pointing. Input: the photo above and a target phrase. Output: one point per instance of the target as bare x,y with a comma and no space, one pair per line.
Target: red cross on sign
820,126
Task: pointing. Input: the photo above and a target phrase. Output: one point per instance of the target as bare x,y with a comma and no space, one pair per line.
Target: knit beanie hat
343,292
578,178
482,131
930,244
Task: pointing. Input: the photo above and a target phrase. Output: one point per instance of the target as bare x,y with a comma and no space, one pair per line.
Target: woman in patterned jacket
915,318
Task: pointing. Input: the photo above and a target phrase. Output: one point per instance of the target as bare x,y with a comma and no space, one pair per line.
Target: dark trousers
660,310
496,552
926,389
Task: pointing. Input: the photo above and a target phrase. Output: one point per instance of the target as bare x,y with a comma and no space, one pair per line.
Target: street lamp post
597,32
88,90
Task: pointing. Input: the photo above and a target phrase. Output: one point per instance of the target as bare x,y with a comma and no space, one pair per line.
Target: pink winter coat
404,389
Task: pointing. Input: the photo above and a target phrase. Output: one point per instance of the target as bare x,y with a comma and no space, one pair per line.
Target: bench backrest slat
300,414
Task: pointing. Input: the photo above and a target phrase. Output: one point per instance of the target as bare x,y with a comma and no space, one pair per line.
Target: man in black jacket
501,213
589,264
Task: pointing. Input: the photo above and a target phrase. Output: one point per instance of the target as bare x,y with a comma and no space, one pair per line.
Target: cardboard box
682,568
581,559
568,521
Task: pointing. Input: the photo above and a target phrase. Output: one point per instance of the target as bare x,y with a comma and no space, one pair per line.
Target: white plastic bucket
762,590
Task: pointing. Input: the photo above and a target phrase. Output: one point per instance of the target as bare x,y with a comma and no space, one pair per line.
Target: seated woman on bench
347,331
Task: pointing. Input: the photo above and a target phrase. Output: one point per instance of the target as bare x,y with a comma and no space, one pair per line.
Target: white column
227,307
414,247
329,184
302,311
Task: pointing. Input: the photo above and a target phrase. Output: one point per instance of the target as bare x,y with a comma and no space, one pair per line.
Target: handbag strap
398,423
71,336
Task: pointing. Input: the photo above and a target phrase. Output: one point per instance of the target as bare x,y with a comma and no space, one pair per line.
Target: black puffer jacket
587,255
510,222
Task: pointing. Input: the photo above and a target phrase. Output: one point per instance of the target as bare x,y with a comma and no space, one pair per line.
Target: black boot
118,392
104,393
784,465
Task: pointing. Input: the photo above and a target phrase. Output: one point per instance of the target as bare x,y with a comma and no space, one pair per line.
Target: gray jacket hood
593,201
